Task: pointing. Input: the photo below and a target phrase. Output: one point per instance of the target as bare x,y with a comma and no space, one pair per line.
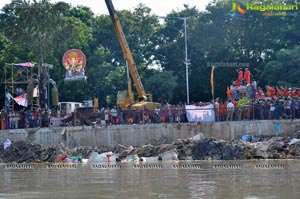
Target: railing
252,112
85,119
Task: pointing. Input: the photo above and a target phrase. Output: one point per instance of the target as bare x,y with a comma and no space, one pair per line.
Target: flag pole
212,82
212,89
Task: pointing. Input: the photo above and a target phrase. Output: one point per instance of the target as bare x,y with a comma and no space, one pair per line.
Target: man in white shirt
230,110
114,115
217,109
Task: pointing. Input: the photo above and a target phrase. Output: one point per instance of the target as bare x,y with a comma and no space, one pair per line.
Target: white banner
200,113
55,121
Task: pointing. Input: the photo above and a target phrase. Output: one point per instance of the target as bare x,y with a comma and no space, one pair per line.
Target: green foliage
162,85
284,69
244,102
42,32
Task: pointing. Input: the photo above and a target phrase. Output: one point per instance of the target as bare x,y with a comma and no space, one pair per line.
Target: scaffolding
16,79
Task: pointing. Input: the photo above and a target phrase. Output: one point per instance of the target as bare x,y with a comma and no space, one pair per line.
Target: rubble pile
297,135
295,150
22,151
271,148
27,152
147,151
86,151
196,148
184,149
211,148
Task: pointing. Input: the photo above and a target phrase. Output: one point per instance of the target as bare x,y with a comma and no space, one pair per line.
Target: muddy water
183,180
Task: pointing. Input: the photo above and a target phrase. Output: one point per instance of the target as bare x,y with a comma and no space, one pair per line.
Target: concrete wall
136,135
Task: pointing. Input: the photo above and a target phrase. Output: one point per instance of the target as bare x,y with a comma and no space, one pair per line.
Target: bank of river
259,167
197,147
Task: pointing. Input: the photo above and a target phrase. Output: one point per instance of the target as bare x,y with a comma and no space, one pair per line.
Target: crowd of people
165,114
24,119
273,103
230,110
259,109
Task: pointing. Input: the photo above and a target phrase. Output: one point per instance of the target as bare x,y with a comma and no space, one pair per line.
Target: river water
182,180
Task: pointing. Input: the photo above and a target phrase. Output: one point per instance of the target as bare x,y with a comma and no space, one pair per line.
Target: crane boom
126,51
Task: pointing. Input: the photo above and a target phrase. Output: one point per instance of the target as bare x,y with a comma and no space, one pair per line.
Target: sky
158,7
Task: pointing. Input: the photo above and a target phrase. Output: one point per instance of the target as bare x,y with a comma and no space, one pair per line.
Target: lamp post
186,54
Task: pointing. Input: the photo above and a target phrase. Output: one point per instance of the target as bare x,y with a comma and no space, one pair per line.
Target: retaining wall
137,135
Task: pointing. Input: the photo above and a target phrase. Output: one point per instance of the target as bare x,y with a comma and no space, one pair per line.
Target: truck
66,108
125,99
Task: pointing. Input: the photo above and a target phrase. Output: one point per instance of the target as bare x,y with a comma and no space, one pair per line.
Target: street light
186,55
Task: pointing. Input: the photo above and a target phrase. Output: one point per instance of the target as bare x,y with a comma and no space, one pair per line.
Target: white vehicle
66,108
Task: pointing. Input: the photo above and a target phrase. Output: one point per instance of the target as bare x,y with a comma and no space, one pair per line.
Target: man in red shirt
260,93
247,77
270,91
294,93
241,76
36,118
286,92
223,111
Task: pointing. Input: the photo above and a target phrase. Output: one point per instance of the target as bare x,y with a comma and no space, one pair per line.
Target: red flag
21,100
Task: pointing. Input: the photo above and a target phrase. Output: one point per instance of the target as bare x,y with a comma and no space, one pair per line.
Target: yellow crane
125,99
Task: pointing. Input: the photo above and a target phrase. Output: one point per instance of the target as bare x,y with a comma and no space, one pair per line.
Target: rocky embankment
200,148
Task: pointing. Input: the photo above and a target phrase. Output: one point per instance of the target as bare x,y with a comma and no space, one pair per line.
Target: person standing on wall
96,104
247,77
107,115
253,89
223,111
230,109
241,76
217,109
114,115
36,118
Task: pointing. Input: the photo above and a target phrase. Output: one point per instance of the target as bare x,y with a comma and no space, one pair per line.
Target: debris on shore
29,152
195,148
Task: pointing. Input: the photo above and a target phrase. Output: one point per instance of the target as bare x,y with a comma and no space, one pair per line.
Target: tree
284,70
43,31
42,27
163,85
